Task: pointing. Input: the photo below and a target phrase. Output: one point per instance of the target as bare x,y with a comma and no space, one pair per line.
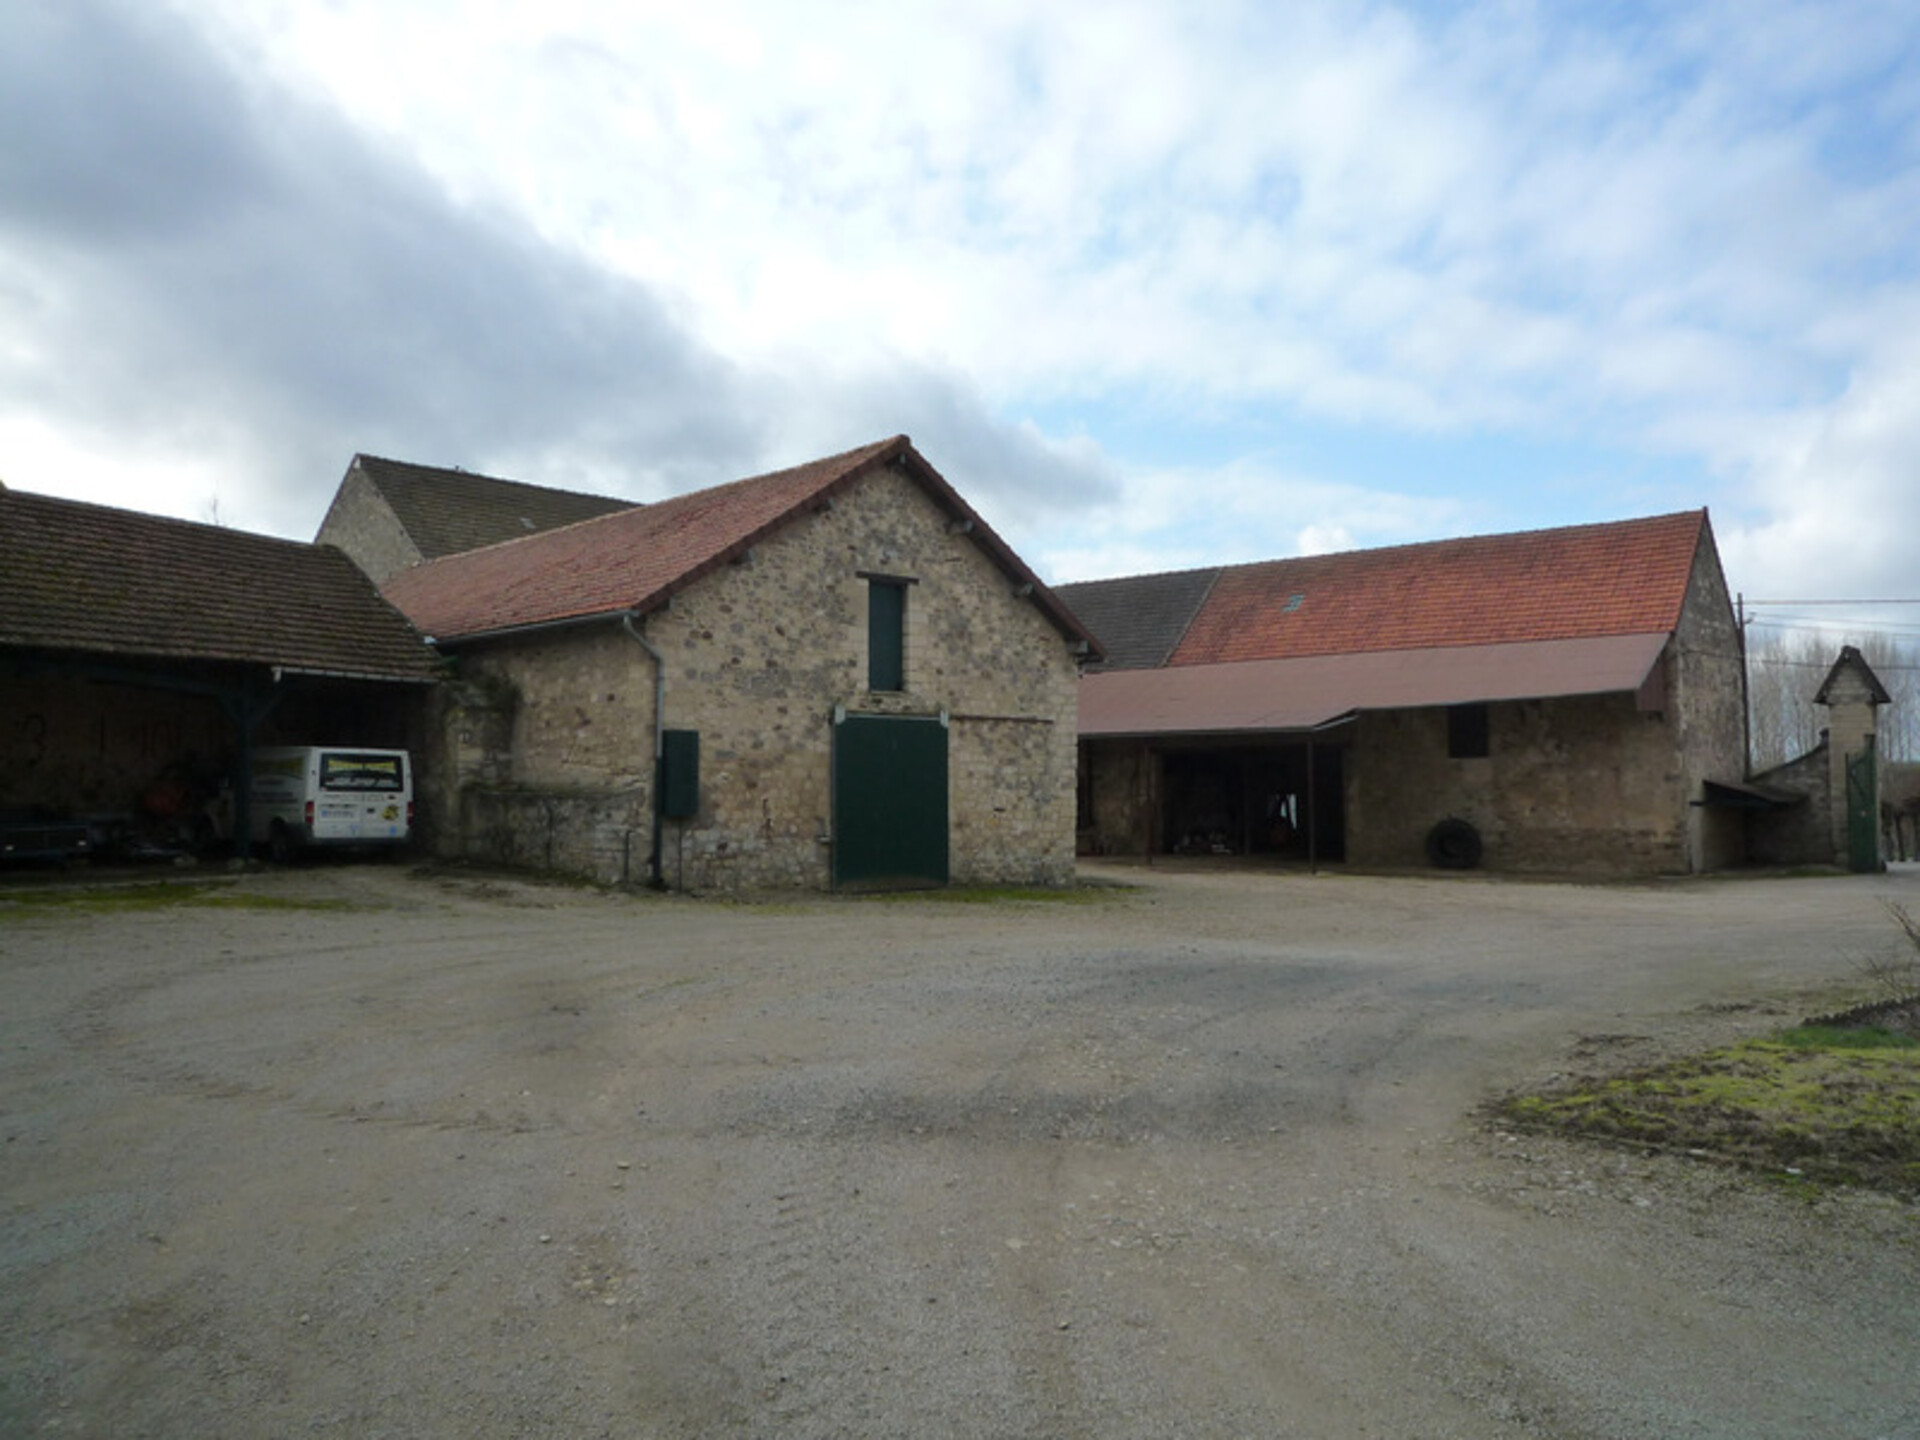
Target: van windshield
346,771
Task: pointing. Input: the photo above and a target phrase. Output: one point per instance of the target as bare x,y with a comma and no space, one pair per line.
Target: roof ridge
1144,575
207,527
655,509
1497,535
465,474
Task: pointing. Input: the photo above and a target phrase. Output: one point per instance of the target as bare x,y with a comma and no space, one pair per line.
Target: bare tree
1897,663
1784,670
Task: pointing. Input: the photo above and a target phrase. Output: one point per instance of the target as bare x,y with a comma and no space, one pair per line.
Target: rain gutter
659,733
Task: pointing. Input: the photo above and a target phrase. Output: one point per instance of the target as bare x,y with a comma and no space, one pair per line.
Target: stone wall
1605,785
1706,701
1585,785
1122,782
361,523
555,732
1798,834
1852,718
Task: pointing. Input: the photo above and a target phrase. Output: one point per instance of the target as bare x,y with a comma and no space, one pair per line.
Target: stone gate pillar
1853,695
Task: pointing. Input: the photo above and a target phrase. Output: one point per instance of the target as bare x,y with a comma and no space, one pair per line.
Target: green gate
1863,810
889,800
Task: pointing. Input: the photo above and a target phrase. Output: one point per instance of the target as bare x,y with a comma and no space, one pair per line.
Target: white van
326,795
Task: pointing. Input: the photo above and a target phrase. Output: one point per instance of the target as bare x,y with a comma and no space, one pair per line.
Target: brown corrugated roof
1577,582
447,511
636,559
1308,692
90,579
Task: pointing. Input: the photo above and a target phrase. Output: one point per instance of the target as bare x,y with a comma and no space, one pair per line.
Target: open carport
144,657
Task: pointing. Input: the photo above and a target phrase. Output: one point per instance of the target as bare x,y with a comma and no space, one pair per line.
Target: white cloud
751,228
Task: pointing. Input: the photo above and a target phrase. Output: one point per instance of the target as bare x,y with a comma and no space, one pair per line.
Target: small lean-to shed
1556,700
835,674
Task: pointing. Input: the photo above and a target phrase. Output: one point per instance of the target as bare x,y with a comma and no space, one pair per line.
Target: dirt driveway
454,1158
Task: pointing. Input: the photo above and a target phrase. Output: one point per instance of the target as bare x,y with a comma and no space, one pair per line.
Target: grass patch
1828,1104
163,895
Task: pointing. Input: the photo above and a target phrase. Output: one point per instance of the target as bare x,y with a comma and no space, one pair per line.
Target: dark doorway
1283,801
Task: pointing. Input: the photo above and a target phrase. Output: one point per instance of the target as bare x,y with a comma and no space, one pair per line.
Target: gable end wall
553,766
361,523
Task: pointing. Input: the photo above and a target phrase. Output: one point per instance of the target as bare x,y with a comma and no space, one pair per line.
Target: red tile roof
1580,582
634,560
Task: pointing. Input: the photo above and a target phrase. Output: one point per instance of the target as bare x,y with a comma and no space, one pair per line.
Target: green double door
889,801
1863,810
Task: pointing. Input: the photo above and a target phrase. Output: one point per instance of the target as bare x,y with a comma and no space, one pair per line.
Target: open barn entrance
1279,801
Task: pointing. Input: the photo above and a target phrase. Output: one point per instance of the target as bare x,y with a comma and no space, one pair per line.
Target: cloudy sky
1155,284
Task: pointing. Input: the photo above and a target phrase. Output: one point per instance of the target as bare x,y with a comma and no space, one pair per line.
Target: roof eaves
1003,554
531,627
737,549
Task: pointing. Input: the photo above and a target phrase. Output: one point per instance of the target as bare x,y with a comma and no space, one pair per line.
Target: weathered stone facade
548,741
1604,784
361,523
1800,833
1814,829
1852,720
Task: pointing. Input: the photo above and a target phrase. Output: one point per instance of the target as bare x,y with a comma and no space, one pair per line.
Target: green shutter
886,635
679,785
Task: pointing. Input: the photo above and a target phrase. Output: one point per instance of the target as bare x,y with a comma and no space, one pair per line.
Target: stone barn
1564,700
836,675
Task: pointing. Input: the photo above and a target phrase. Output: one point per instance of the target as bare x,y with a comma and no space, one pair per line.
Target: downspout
659,734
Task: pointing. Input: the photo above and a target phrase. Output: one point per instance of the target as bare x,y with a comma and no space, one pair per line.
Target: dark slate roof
636,559
87,579
1138,619
445,512
1852,659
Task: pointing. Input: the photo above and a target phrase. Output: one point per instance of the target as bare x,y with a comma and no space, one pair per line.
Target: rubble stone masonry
548,739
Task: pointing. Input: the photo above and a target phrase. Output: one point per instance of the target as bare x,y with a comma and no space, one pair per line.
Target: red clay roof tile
1578,582
635,559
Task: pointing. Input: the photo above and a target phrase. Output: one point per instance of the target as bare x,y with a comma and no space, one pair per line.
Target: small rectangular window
886,635
1467,732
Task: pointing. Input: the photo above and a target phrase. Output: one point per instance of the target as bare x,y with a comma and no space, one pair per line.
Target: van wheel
280,847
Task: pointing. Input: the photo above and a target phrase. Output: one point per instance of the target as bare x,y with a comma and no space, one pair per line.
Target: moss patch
1835,1105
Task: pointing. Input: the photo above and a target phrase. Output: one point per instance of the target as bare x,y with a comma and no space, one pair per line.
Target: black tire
1453,845
280,847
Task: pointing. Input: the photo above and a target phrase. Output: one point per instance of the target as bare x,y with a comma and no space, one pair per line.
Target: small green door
889,800
1863,810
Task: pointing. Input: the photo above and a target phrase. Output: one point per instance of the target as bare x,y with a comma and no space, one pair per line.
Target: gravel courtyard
353,1151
